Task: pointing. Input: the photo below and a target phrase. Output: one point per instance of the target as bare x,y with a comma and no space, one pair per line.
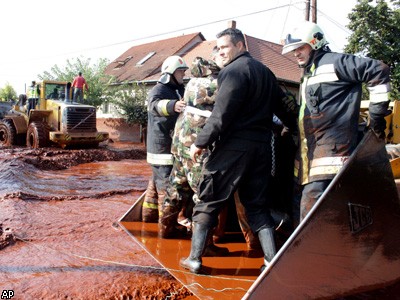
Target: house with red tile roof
142,63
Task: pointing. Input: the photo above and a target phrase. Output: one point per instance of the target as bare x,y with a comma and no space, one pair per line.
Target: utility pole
307,12
314,11
313,8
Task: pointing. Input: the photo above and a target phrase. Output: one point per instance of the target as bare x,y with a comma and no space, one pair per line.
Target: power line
165,33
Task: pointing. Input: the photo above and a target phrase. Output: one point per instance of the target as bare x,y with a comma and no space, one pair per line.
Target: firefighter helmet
173,63
306,33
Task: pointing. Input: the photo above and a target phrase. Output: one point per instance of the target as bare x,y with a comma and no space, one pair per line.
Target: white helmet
173,63
306,33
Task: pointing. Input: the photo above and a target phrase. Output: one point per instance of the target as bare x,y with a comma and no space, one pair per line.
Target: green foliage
376,28
93,73
130,101
8,93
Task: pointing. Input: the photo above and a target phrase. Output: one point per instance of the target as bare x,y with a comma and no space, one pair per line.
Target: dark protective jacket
161,122
240,111
330,98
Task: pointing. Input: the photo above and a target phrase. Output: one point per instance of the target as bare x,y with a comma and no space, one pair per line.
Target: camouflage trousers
184,179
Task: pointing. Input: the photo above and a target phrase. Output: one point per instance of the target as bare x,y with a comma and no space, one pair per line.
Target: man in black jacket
239,131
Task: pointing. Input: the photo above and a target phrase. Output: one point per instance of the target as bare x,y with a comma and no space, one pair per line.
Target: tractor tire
8,133
37,135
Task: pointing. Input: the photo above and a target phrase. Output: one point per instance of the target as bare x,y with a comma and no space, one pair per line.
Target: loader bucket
349,243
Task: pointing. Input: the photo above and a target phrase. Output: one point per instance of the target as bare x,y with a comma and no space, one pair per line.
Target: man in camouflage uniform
199,97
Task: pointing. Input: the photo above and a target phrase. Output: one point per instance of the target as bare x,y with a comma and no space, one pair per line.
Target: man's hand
194,152
179,106
290,104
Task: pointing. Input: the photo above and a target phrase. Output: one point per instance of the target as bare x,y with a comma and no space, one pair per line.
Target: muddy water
56,235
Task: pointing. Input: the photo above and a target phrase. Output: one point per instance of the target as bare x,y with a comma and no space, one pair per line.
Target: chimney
232,24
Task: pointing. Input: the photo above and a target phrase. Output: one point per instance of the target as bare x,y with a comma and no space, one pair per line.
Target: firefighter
164,105
329,107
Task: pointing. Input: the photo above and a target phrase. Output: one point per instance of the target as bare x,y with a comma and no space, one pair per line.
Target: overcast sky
37,35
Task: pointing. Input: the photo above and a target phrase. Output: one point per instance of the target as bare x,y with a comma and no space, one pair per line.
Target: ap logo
7,294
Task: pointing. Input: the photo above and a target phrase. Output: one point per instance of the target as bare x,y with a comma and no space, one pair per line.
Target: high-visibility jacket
161,122
32,92
330,97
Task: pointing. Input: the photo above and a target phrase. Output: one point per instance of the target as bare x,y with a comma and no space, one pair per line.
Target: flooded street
57,208
57,241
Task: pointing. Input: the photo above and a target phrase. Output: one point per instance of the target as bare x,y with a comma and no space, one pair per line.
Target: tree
376,28
130,101
93,73
8,93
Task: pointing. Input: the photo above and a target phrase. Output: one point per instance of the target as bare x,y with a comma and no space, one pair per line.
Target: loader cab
56,91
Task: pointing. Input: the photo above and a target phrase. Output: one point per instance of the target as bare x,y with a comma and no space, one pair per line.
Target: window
144,59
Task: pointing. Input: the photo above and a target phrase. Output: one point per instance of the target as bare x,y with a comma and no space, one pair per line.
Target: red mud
57,241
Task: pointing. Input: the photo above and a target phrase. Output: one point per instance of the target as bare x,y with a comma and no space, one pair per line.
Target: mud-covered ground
57,239
57,208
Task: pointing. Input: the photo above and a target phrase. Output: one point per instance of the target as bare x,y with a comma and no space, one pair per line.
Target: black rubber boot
199,239
267,241
168,225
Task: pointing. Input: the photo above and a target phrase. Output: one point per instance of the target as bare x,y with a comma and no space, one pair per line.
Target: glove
378,126
290,104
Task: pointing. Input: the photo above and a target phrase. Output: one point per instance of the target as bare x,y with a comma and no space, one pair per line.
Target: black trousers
161,177
32,102
241,165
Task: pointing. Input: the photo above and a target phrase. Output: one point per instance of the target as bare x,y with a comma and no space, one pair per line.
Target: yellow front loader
54,120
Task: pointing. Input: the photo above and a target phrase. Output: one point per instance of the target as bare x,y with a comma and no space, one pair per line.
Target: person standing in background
78,85
33,96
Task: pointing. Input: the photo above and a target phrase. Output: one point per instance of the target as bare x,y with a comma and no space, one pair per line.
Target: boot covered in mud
168,226
252,241
200,235
150,204
219,230
267,241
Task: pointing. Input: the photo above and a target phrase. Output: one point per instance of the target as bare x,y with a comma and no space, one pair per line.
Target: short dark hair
80,73
235,34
